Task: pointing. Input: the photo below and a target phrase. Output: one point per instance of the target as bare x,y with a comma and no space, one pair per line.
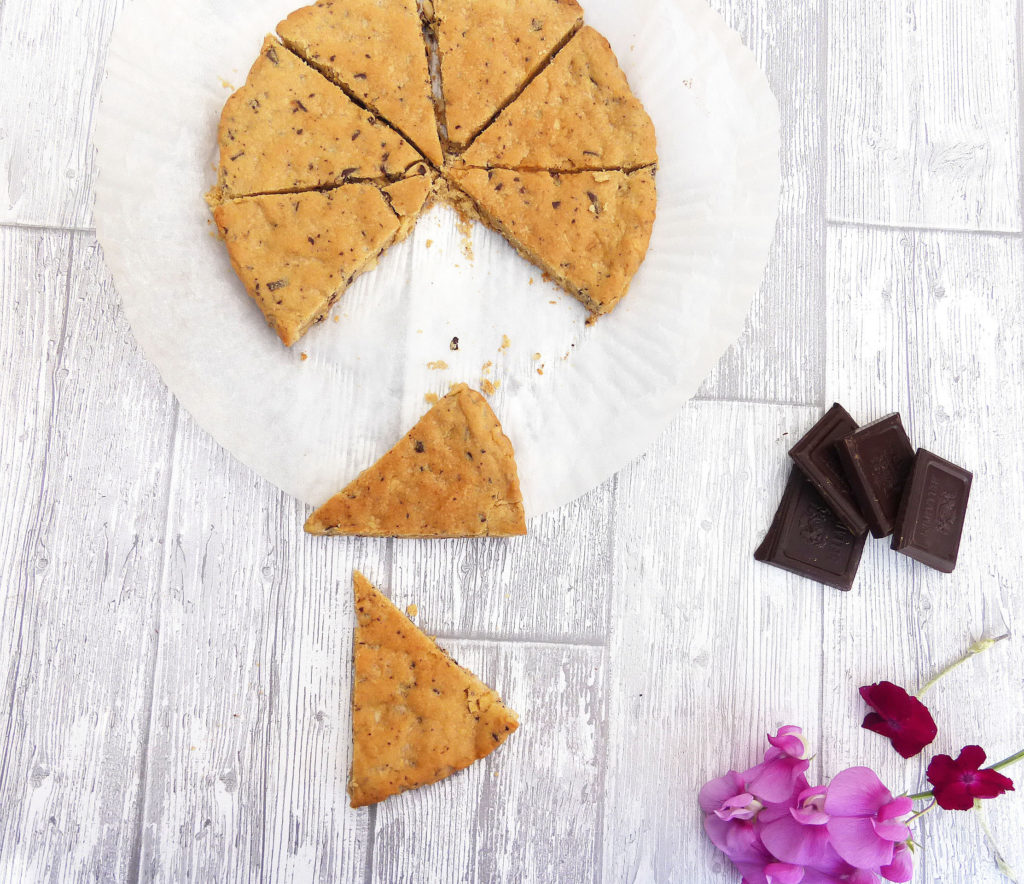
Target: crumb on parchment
438,365
304,357
412,609
486,367
536,357
505,342
489,387
431,398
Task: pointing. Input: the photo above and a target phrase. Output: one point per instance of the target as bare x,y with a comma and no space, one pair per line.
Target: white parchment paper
577,402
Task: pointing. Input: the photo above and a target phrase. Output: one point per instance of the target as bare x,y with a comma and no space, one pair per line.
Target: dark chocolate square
877,459
816,456
808,539
930,522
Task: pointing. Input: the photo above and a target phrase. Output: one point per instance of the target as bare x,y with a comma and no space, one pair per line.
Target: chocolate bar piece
807,538
931,517
816,455
876,460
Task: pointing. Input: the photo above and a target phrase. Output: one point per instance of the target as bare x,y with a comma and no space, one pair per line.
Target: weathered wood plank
709,649
552,584
787,39
82,551
52,58
250,726
530,811
928,324
924,113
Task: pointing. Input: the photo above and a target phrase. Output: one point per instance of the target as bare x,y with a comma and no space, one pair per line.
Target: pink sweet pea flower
780,777
864,819
798,834
727,798
901,869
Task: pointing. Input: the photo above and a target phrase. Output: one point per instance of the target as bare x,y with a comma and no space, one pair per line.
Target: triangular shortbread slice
417,716
452,475
589,231
375,51
291,129
578,114
489,50
296,253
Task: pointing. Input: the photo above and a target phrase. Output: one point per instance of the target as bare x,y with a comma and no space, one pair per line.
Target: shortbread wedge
376,52
296,253
288,129
489,50
589,231
417,716
409,198
578,114
452,475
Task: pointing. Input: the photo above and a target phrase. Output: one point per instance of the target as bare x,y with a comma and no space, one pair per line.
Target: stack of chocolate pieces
848,480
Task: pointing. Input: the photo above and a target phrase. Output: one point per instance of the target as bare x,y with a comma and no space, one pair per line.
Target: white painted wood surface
174,652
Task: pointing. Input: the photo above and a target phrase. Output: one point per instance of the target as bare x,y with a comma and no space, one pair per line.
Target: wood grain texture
788,41
552,584
928,324
81,571
250,721
924,113
708,649
528,812
52,58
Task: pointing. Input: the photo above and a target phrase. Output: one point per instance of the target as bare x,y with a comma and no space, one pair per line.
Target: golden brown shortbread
579,113
452,475
489,50
374,49
288,128
589,231
296,253
417,716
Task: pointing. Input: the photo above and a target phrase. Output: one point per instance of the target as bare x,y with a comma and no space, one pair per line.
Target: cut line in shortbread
417,716
296,253
578,114
489,50
374,51
452,475
290,129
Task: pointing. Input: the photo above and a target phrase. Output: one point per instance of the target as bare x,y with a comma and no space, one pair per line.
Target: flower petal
954,796
855,841
991,783
736,839
901,869
971,758
904,719
777,781
714,794
891,831
794,843
783,873
789,741
896,808
856,791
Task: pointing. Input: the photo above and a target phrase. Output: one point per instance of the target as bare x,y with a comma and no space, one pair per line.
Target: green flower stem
921,813
977,648
1006,762
920,796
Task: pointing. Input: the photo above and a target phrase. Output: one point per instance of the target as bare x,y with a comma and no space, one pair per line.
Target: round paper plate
577,401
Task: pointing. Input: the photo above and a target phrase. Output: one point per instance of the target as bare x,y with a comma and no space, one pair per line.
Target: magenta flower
864,819
797,834
957,783
904,719
901,869
780,776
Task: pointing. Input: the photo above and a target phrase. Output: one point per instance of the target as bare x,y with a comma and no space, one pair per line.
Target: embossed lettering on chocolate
807,538
931,517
